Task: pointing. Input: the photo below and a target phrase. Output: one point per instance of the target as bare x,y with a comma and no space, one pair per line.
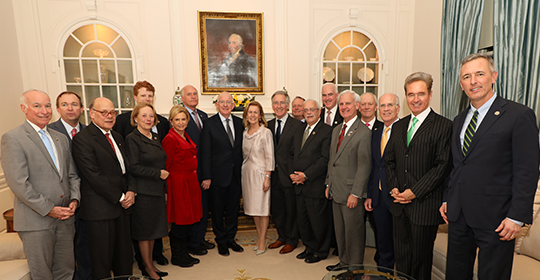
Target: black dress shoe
199,251
162,273
302,255
162,260
332,267
223,249
312,259
235,247
207,245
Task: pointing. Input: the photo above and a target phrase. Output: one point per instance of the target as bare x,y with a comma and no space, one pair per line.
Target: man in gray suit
40,171
349,168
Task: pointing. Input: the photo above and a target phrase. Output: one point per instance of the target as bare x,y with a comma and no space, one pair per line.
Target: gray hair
372,95
316,103
475,56
300,97
355,95
23,96
332,85
419,76
284,93
182,90
395,96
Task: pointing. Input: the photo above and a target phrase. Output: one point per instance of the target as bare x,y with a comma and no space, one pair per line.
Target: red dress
184,204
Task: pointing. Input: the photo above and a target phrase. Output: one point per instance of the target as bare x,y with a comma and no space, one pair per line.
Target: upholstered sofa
13,263
526,253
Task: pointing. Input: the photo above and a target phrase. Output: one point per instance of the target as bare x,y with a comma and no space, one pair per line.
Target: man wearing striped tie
417,164
491,191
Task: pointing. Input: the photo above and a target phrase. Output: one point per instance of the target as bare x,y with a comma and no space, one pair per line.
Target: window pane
351,54
128,100
344,73
97,50
107,71
342,88
329,73
121,49
371,53
372,90
73,71
92,92
343,39
105,34
356,67
85,33
359,90
90,71
360,39
110,92
71,48
125,72
331,52
375,68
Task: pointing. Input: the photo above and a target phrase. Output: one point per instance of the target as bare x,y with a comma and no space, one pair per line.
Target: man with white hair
238,69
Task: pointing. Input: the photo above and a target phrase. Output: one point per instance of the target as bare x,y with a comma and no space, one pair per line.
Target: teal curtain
516,49
460,36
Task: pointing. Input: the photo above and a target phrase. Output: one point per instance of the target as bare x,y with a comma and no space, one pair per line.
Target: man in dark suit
144,91
311,148
40,171
492,186
283,198
297,108
349,168
105,194
69,106
198,245
378,201
330,112
368,110
417,164
221,160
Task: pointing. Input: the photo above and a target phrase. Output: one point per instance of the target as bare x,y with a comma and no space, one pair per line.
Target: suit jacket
337,118
498,177
192,130
423,166
283,148
123,125
102,181
378,173
350,167
33,177
219,159
147,159
312,159
59,126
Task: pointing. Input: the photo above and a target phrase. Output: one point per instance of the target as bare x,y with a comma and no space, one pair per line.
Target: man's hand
352,201
298,177
206,184
73,206
367,205
443,212
129,200
327,194
508,230
405,197
164,174
60,213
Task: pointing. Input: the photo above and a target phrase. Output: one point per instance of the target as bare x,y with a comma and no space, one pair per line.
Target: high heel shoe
159,273
260,252
255,248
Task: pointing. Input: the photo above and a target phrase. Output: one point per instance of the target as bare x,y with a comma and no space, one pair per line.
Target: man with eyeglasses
311,149
221,163
378,201
105,194
282,197
69,106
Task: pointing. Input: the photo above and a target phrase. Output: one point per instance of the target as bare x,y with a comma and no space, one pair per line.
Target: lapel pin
155,138
55,138
497,113
350,133
313,133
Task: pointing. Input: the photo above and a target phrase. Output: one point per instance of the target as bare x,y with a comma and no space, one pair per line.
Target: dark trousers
283,210
82,251
198,230
413,245
382,218
314,224
181,232
495,257
225,203
110,246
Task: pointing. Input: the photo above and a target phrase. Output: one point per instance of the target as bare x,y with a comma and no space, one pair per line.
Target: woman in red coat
184,204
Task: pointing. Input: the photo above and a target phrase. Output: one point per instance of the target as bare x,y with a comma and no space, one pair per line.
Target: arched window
98,62
351,61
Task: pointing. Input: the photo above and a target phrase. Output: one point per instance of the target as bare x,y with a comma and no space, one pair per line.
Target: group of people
101,190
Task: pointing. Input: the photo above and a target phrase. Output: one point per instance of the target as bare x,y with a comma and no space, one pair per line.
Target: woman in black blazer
147,176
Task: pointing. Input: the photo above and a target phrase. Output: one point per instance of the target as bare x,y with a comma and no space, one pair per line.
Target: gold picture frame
231,52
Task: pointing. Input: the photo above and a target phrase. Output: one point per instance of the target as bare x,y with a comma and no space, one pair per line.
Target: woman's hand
266,184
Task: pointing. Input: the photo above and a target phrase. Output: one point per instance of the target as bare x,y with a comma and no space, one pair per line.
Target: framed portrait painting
231,50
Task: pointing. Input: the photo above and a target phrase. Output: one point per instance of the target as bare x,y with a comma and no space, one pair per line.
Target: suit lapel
285,130
221,128
36,138
310,136
102,140
424,127
347,137
377,136
493,114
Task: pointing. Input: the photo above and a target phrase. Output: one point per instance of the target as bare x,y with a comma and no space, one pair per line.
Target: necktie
48,145
196,120
110,142
411,131
328,119
73,132
229,132
305,137
278,131
384,140
341,136
469,133
367,124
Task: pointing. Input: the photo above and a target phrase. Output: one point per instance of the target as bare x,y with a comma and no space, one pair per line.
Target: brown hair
64,93
262,119
419,76
143,84
137,109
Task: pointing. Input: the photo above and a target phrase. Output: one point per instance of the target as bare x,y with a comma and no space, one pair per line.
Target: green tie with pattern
469,133
411,130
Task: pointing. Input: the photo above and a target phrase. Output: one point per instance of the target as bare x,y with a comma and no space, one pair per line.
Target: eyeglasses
223,102
311,110
105,113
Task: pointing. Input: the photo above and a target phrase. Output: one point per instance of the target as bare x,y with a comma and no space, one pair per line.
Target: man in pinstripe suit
417,164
